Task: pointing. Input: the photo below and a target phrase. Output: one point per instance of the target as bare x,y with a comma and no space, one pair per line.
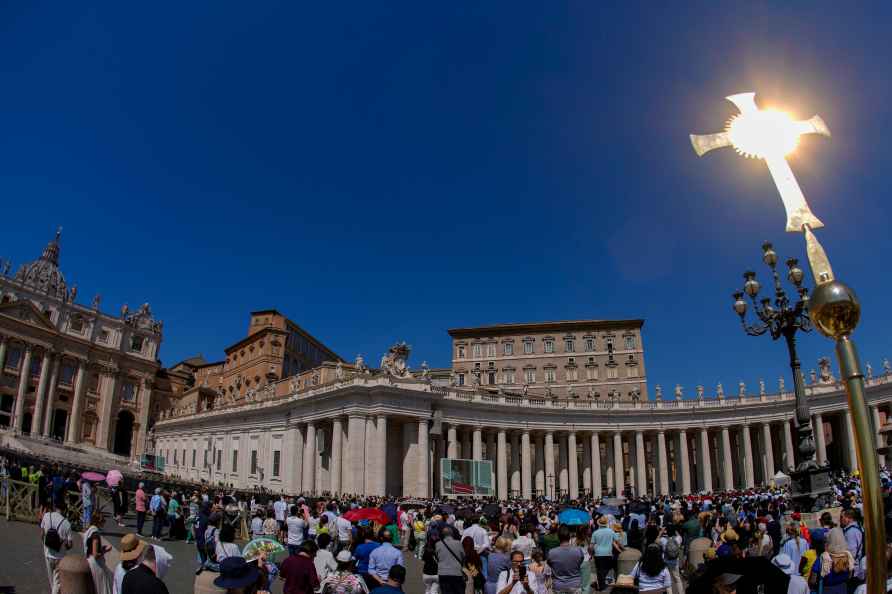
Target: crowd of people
719,542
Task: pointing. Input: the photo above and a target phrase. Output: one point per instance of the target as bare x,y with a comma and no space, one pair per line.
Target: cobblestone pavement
22,566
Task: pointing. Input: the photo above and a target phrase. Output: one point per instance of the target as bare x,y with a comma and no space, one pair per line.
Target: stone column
705,462
452,446
820,444
550,478
596,465
477,453
372,459
727,461
73,434
381,443
573,465
424,456
619,473
684,463
562,470
297,463
4,341
144,406
662,462
540,464
526,477
515,463
51,395
107,398
24,380
851,456
875,412
502,466
586,484
640,464
39,405
337,435
309,466
750,464
492,456
354,473
769,452
788,446
466,452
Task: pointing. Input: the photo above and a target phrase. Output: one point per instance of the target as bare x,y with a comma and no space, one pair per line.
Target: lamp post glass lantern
783,318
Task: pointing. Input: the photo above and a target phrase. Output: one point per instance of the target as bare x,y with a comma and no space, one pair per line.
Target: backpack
860,552
52,539
672,549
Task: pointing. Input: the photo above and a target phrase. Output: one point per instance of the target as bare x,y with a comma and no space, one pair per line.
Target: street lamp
834,309
784,319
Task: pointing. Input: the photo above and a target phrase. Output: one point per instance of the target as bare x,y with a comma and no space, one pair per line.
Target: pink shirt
140,500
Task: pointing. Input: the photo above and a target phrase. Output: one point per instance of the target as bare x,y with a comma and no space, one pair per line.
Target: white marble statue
781,386
395,361
869,368
887,367
678,392
741,389
813,377
762,387
658,392
339,371
699,392
720,391
826,370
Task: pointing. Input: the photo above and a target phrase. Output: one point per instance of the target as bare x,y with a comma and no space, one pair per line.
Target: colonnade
553,463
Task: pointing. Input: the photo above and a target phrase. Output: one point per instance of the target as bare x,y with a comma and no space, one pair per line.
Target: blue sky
385,171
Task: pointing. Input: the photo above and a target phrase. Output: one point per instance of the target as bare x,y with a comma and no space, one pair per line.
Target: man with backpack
854,542
55,533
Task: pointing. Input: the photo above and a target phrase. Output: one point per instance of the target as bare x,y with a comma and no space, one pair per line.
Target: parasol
367,513
113,478
262,544
574,517
390,510
492,510
94,477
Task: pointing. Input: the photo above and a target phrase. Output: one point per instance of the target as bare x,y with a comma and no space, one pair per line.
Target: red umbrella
367,513
93,477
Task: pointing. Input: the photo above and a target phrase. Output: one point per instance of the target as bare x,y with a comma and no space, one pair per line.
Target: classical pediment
25,311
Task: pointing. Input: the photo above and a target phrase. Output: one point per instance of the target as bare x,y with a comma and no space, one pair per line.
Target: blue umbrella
574,517
608,510
390,510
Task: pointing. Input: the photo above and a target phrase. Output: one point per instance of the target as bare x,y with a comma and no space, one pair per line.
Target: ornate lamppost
834,309
783,319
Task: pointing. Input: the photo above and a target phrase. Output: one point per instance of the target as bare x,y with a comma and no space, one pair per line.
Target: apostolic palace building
559,408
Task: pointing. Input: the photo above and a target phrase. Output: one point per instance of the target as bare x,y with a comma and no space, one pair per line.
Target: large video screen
466,478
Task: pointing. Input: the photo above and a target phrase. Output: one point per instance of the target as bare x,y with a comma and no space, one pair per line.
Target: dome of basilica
43,275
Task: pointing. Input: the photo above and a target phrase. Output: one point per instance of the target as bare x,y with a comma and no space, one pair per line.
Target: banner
466,478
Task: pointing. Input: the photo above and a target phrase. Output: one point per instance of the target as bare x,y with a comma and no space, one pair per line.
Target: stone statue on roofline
826,370
526,390
339,371
720,391
781,385
699,393
741,389
869,368
395,362
678,392
658,392
761,387
360,365
96,301
425,371
813,377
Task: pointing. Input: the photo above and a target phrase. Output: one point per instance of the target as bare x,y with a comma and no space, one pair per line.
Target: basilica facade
71,373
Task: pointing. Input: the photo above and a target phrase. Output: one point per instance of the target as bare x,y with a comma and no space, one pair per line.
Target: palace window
609,342
528,347
253,461
205,459
590,344
550,375
569,345
508,348
632,371
35,366
630,343
460,379
193,458
476,350
136,343
175,462
509,376
591,372
13,358
549,346
491,349
572,374
491,377
234,460
76,323
103,336
219,460
612,373
128,392
529,376
461,352
277,455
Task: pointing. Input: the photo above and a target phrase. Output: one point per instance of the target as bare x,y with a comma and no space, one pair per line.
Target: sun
764,133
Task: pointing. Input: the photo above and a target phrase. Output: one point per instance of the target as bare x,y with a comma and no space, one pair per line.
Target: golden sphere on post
834,309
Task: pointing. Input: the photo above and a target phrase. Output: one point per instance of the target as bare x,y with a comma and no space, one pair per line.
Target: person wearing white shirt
324,560
296,527
280,508
56,522
514,580
479,535
345,532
